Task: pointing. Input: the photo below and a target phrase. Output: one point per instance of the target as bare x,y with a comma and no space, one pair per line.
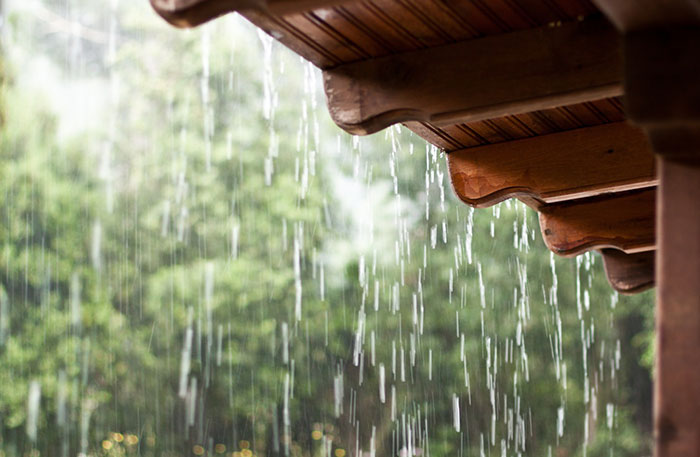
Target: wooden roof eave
485,78
474,82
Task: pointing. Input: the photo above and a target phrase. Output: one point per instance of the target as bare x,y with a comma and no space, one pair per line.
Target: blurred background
195,261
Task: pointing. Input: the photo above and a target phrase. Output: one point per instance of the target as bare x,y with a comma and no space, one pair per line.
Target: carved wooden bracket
629,273
624,221
479,79
557,167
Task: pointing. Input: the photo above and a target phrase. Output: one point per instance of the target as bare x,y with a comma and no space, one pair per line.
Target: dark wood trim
479,79
629,273
557,167
662,76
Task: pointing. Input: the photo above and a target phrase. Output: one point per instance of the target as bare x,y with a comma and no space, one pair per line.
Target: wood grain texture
191,13
629,273
552,168
352,31
629,15
480,79
677,381
359,30
520,126
623,221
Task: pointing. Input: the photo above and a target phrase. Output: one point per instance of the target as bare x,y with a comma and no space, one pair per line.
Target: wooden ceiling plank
471,12
629,273
191,13
465,134
552,168
442,138
480,79
620,221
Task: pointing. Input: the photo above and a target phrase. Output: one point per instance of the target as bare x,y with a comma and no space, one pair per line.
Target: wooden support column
662,90
663,94
677,387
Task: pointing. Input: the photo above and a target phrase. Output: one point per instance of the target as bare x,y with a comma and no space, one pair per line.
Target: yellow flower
118,437
244,444
198,450
132,439
316,435
219,448
340,453
107,445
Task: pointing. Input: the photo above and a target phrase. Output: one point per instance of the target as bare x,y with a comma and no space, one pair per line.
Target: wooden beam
479,79
620,221
552,168
662,69
629,273
190,13
631,15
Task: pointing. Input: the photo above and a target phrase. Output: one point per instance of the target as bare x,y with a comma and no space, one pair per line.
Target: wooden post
663,95
662,92
677,387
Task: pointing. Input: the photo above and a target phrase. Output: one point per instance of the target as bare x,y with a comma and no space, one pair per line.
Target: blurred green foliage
179,213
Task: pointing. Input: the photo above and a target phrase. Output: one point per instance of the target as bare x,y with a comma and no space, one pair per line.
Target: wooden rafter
436,83
629,273
479,79
557,167
623,221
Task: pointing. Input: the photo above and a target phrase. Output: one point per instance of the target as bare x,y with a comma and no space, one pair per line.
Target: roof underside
488,81
363,30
